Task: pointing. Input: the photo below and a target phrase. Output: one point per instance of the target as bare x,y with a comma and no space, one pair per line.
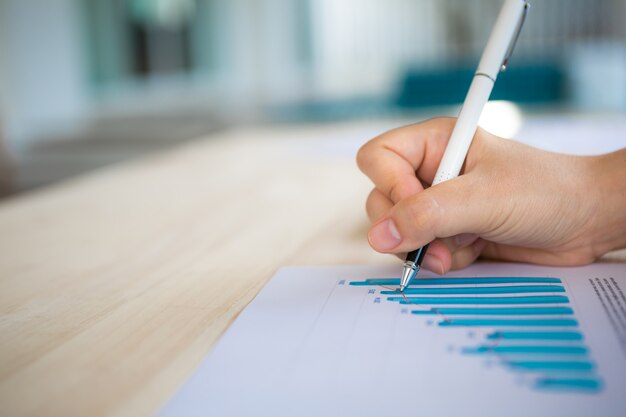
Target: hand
512,202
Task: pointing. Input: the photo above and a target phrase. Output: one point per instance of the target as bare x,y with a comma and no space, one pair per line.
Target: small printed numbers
377,300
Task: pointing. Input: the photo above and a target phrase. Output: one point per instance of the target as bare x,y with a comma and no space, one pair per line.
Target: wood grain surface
114,286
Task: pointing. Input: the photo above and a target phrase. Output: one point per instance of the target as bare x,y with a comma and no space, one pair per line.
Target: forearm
609,172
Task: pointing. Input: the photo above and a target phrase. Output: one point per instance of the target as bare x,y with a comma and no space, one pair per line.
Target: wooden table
116,284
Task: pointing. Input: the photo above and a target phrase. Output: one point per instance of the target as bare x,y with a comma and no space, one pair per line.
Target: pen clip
518,30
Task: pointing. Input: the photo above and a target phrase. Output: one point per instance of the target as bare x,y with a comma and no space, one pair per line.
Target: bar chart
524,324
491,340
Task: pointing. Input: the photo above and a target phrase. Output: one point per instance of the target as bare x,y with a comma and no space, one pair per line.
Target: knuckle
377,204
369,203
463,258
420,214
363,156
430,208
395,191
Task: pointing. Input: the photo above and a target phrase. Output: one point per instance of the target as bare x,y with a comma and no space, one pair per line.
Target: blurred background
85,83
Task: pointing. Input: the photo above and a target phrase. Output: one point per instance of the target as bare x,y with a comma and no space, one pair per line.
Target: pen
494,60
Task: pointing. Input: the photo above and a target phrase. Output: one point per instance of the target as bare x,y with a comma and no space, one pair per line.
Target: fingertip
467,255
377,205
433,264
440,257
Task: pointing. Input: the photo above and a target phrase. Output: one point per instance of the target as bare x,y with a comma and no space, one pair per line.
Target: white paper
311,344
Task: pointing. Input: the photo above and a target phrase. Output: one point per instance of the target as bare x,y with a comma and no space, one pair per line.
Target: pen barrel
417,256
501,38
464,130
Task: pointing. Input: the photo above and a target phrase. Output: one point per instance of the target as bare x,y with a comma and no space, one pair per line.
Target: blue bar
513,289
583,384
552,365
457,280
536,335
528,349
497,311
509,322
531,299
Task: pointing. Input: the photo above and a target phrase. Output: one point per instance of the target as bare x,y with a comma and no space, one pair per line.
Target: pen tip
402,287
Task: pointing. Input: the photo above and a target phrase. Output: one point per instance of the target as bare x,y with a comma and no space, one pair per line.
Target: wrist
608,176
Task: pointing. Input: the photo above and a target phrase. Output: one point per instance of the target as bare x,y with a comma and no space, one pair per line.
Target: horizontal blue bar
528,349
429,312
584,384
531,299
535,335
509,322
512,289
497,311
552,365
457,280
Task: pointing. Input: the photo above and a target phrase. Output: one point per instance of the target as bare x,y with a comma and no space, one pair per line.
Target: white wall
2,68
360,45
261,64
45,86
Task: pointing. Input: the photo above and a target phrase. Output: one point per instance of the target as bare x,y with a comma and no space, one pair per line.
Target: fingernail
384,236
465,239
434,264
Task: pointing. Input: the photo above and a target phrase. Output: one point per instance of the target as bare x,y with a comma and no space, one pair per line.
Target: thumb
446,209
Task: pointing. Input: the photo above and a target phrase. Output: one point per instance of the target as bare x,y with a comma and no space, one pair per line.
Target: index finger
397,161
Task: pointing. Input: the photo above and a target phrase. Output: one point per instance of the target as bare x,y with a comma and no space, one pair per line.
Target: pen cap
502,38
